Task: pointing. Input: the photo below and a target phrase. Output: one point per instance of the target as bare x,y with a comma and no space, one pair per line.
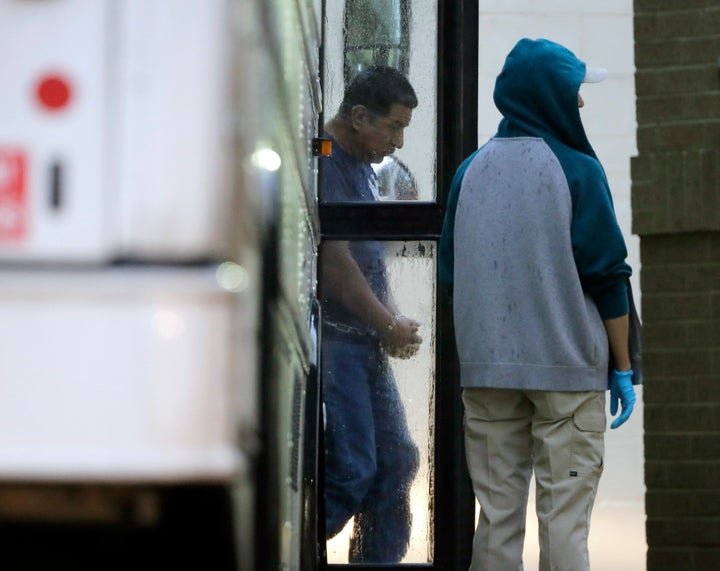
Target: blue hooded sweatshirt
530,249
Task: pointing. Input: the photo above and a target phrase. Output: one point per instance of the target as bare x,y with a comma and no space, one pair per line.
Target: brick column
676,213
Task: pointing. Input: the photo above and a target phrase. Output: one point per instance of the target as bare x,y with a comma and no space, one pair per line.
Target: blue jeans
370,459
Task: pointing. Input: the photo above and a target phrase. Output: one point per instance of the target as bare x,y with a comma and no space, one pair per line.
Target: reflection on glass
377,373
395,181
400,34
376,34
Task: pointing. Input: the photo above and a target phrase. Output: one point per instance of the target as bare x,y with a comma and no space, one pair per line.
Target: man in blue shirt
370,459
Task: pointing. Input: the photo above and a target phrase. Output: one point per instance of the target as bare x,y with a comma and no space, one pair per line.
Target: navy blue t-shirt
343,178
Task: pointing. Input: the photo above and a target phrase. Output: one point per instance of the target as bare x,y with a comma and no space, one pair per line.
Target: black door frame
457,138
458,45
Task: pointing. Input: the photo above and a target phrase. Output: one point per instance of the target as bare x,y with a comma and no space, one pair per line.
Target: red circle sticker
54,92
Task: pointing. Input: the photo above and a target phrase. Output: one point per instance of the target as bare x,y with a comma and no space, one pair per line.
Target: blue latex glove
622,391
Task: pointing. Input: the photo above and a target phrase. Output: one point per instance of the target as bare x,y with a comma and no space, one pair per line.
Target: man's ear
359,115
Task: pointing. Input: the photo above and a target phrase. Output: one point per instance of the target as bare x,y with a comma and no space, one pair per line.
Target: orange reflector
321,147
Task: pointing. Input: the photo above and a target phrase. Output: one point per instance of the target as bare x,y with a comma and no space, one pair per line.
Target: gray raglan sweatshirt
531,249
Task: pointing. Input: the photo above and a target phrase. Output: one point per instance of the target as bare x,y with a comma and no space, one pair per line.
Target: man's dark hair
378,88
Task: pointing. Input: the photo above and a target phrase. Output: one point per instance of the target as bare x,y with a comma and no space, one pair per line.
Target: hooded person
534,261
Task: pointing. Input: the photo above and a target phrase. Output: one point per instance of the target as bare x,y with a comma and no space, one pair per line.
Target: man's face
378,136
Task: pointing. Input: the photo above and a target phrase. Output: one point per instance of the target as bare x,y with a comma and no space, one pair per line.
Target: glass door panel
400,34
380,413
384,214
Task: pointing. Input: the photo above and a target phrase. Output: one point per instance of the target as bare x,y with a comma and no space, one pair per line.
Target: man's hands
401,339
622,391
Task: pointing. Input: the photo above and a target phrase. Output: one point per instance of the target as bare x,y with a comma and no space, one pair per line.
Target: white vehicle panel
119,374
115,130
53,105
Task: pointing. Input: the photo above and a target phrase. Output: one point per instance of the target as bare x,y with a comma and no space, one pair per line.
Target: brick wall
676,213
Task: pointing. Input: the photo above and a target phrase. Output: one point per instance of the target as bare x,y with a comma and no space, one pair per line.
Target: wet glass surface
379,410
400,34
378,370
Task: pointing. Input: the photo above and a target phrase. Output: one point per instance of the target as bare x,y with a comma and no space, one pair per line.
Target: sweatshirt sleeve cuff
613,303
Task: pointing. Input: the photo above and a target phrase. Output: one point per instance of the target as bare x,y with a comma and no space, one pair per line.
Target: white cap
594,74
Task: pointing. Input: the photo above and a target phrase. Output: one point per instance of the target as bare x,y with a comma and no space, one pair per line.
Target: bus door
434,45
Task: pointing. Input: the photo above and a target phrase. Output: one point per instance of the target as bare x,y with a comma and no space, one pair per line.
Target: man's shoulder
577,158
512,155
578,166
342,177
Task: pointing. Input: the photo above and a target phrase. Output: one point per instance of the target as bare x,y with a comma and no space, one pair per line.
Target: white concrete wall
601,34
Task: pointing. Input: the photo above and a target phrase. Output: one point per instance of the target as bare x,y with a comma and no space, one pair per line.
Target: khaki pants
560,435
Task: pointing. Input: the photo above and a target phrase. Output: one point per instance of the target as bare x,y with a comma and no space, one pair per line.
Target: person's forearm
618,331
358,298
344,282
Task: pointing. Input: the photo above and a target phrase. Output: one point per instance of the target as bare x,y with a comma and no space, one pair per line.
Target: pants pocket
589,425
